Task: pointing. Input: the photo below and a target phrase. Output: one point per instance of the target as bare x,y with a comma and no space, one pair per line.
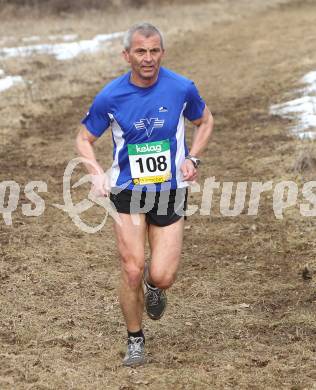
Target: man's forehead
139,40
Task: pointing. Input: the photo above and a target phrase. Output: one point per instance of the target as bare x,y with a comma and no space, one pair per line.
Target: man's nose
148,56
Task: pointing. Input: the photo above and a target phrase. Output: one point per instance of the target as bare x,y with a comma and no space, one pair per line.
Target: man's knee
162,280
132,270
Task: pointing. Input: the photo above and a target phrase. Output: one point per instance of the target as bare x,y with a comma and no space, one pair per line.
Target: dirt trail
240,314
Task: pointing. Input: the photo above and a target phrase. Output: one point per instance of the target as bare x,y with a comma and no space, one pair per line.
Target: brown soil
242,312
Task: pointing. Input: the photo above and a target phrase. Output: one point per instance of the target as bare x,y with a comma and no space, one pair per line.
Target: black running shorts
161,208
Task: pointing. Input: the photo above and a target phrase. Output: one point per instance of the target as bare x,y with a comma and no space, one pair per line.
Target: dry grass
10,8
306,160
241,315
61,6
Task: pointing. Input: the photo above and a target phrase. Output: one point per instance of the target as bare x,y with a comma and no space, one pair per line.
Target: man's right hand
100,185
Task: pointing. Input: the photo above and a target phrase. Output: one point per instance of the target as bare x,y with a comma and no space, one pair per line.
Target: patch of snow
301,109
61,51
9,81
66,38
309,78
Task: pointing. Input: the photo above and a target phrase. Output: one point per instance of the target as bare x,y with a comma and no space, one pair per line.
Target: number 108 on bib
150,162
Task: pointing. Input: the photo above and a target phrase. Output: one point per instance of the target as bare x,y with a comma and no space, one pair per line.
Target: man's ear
125,55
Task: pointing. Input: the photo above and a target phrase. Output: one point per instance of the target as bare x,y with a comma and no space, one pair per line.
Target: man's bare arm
84,145
202,133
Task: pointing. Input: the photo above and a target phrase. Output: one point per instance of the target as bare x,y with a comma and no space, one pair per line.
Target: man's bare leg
166,245
131,246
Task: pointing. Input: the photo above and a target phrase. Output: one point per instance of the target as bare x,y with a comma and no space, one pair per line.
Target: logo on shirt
149,125
163,109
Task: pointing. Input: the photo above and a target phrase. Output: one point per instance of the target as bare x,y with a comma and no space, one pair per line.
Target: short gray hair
145,29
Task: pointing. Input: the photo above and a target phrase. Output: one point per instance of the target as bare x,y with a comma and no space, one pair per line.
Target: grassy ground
241,314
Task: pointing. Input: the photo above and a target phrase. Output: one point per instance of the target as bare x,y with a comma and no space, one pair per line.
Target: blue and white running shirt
147,129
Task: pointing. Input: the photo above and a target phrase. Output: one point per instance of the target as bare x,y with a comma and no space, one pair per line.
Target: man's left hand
188,171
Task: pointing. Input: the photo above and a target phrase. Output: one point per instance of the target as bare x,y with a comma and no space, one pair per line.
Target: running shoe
135,355
155,299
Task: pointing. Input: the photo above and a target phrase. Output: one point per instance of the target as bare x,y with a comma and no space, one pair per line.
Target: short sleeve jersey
148,129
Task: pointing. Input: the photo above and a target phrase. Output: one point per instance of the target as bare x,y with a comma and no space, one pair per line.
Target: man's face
144,56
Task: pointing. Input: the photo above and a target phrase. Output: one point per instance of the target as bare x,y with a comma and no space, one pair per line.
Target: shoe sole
155,318
135,364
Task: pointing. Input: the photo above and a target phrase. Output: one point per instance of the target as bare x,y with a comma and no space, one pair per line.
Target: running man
146,109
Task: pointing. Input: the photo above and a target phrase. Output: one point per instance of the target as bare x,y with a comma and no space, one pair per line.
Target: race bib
150,162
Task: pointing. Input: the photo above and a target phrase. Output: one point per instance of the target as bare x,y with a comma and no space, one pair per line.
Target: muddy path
241,315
